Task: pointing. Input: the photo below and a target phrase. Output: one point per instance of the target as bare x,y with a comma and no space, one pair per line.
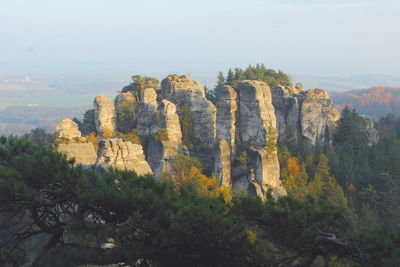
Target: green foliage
132,136
259,72
140,83
243,159
161,135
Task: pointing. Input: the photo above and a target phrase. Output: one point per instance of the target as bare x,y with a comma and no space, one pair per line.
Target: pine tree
220,85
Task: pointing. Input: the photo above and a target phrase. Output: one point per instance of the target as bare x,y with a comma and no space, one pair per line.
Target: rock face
83,153
148,116
73,145
126,112
318,116
68,129
237,140
104,116
222,167
226,116
122,155
367,126
257,137
307,114
183,91
160,153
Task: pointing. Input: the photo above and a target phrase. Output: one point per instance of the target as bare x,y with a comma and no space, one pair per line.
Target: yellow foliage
293,166
92,138
351,188
108,133
251,235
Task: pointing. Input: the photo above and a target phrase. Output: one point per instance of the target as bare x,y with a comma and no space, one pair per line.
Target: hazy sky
317,37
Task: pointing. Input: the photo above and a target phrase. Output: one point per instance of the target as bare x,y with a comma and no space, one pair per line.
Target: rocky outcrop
104,116
222,167
122,155
226,116
126,107
68,129
148,117
257,136
83,153
306,114
183,91
318,117
73,145
167,142
368,127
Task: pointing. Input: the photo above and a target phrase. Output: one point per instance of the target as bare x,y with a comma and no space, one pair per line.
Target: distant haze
310,37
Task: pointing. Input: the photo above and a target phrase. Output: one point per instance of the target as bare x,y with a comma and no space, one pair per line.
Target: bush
108,133
94,139
132,137
161,135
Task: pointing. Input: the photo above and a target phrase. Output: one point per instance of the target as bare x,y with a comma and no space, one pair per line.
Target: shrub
108,133
132,137
94,139
161,135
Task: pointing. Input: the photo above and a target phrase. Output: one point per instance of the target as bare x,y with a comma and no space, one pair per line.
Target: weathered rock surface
257,135
122,155
73,145
160,153
104,116
148,117
126,111
183,91
308,114
226,116
318,116
222,167
68,129
368,127
83,153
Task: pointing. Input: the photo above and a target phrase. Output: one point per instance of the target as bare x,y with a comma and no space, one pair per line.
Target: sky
314,37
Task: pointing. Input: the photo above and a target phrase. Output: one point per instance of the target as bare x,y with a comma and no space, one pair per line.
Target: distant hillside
22,119
375,102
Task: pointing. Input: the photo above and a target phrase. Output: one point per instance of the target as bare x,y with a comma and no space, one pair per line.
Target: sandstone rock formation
318,117
73,145
237,140
368,127
307,114
68,129
104,116
122,155
183,91
147,113
166,143
222,167
257,136
226,116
